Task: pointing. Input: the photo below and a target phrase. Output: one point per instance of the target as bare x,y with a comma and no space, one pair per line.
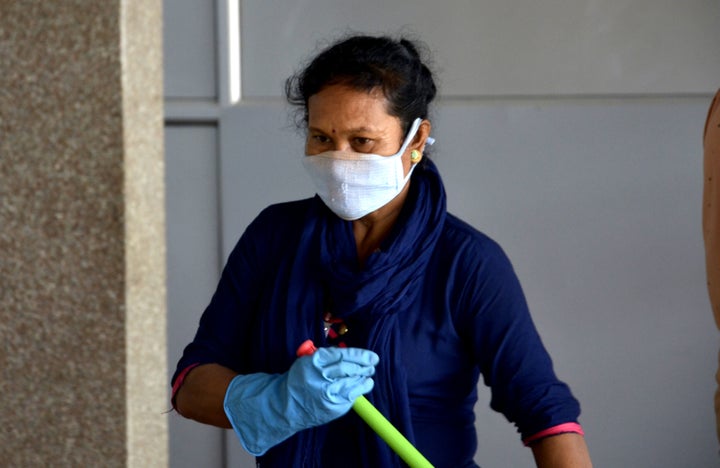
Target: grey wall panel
523,47
192,270
261,153
597,204
189,49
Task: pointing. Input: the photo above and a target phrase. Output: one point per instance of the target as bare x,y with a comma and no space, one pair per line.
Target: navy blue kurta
469,319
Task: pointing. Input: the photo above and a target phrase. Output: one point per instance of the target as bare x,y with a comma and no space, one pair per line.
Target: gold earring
415,155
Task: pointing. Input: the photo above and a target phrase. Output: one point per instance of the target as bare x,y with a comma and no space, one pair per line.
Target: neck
372,229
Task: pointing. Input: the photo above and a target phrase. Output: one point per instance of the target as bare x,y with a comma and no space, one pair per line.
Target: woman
408,304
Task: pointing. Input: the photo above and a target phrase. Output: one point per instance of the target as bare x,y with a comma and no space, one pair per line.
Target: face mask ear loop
411,134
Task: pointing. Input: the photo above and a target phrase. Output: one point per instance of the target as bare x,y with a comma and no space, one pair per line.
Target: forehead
342,107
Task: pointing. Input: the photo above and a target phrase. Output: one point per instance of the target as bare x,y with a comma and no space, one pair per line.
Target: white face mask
354,184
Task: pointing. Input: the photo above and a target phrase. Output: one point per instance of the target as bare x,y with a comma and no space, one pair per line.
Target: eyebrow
350,130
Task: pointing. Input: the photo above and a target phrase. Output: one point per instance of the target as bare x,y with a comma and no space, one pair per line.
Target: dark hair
367,63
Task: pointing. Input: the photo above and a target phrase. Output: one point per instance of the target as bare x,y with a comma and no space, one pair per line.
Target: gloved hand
265,409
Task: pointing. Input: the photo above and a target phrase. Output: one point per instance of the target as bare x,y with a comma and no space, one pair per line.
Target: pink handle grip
306,348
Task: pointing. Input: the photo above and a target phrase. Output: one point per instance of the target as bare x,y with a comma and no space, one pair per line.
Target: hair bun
367,63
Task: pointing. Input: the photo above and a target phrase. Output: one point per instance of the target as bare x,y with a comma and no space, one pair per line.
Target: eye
317,142
322,139
362,144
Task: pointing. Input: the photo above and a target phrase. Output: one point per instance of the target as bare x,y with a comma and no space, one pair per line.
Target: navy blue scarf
324,274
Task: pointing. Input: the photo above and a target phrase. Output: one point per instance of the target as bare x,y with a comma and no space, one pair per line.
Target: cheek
406,163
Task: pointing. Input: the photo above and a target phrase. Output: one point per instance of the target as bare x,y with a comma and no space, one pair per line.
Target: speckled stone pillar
82,245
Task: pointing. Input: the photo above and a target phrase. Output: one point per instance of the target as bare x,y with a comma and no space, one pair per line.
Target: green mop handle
380,424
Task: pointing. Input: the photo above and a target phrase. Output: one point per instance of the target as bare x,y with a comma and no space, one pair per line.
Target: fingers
346,369
363,357
360,356
335,363
363,387
346,390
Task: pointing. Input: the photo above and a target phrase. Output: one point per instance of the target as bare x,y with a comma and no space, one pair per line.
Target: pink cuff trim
179,381
555,430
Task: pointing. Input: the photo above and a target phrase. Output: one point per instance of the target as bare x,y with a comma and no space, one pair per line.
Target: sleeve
512,358
220,337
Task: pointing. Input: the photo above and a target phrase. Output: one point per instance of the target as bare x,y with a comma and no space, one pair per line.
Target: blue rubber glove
265,409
